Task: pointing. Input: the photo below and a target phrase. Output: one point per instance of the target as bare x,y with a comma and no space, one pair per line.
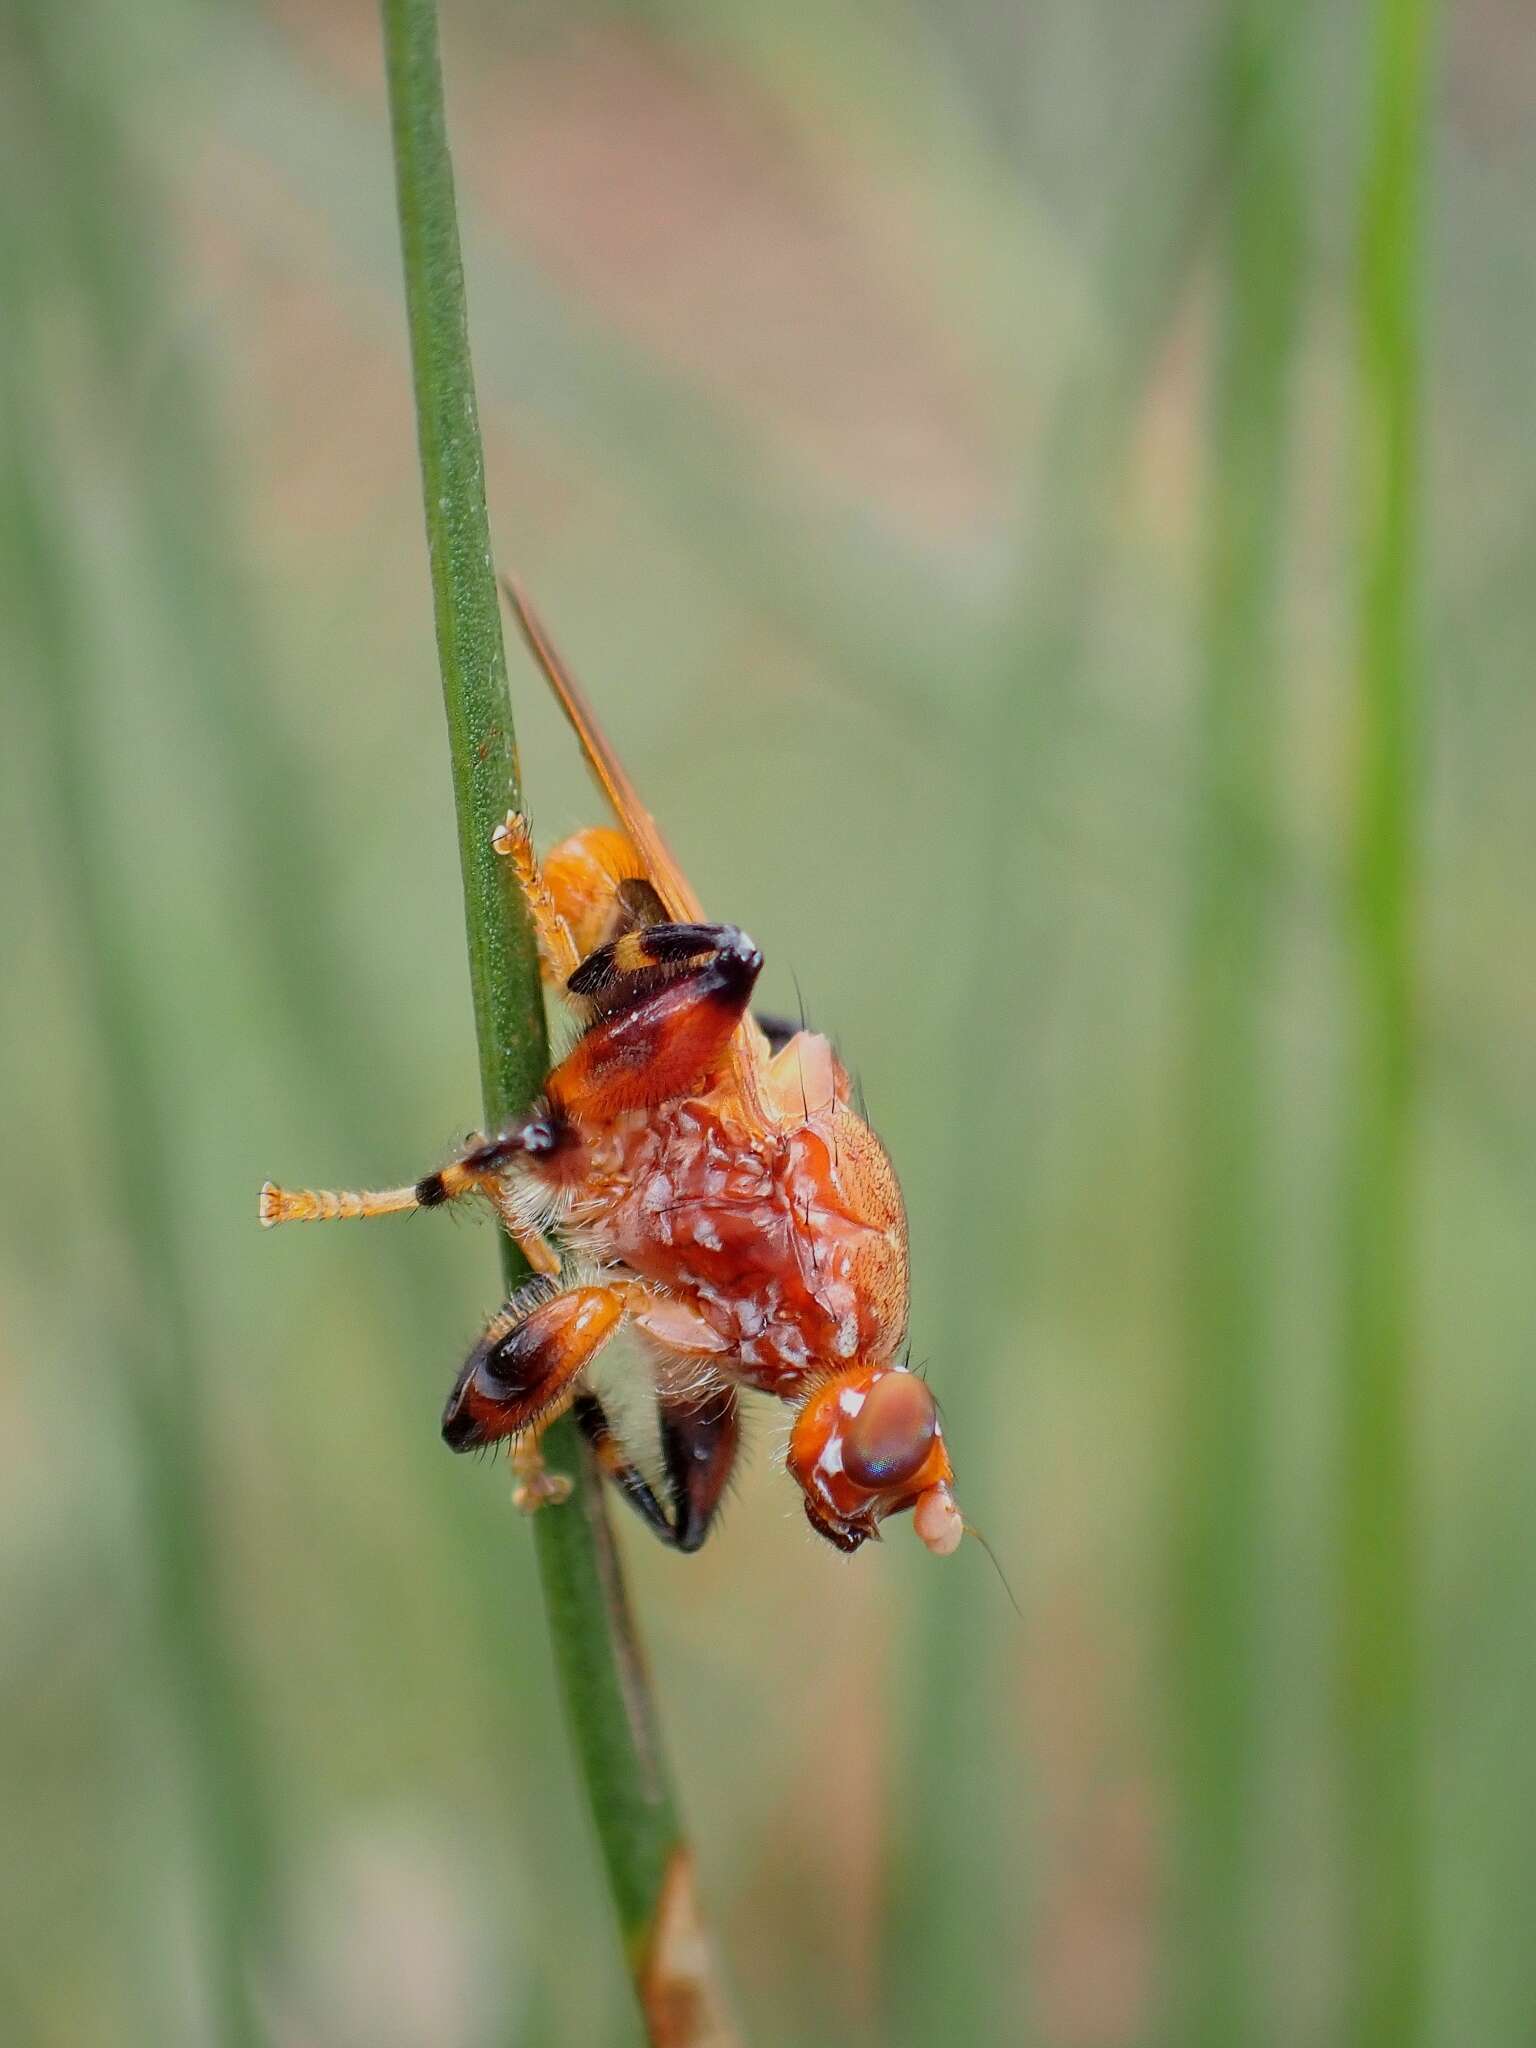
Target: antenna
972,1530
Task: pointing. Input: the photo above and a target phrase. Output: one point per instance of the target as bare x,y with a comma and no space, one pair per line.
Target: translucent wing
672,885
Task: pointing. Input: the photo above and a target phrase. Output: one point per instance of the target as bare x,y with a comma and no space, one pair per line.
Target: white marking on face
831,1460
850,1400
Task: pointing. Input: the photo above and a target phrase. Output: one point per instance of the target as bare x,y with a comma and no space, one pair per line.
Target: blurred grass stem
1381,1678
146,1321
151,1317
1224,1486
941,1968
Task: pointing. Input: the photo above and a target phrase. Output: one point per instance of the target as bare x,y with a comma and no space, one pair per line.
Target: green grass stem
145,1318
608,1700
959,1832
1224,1488
146,1324
1380,1536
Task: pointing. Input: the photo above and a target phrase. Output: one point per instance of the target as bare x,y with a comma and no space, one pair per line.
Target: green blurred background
932,431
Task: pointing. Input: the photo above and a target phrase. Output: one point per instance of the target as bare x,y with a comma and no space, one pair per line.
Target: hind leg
700,1435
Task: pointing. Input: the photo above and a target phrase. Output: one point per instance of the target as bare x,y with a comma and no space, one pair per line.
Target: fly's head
869,1443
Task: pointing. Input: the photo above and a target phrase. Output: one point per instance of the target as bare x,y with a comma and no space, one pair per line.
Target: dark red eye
887,1441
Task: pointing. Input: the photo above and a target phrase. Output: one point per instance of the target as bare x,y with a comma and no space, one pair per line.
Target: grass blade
1379,1580
945,1970
1219,1536
147,1325
608,1700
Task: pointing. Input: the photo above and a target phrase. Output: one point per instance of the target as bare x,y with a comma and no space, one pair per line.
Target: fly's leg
523,1372
697,1416
668,999
699,1440
558,953
480,1169
682,987
526,1371
586,891
537,1487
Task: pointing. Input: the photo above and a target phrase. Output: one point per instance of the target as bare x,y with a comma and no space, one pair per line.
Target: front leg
523,1372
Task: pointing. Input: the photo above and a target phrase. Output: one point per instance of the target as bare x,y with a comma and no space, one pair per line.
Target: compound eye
892,1434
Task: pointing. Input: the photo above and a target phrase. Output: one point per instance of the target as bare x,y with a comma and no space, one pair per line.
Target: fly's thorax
788,1236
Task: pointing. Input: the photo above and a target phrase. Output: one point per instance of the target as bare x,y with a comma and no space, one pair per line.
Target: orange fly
697,1176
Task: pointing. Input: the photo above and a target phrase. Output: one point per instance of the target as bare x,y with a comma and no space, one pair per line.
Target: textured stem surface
607,1696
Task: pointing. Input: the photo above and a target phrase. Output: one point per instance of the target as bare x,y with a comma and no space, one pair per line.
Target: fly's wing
750,1047
671,884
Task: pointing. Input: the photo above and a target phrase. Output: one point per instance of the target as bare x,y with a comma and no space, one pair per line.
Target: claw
536,1488
511,836
542,1490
